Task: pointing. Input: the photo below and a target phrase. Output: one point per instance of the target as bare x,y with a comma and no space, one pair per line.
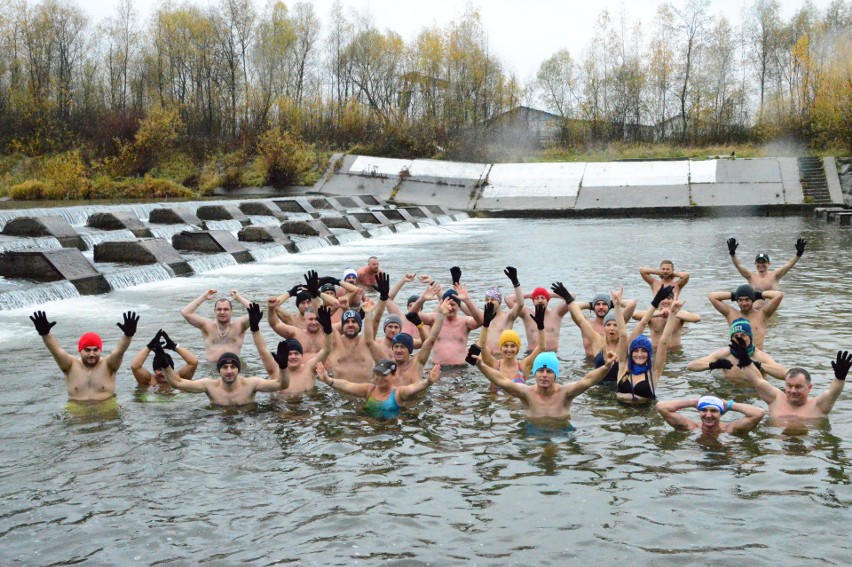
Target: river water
458,479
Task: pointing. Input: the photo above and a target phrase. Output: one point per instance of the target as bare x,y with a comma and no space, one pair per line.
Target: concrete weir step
814,182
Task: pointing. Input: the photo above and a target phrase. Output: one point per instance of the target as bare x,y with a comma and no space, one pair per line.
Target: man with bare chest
764,279
309,337
90,378
600,305
745,296
667,276
301,364
350,357
222,334
451,345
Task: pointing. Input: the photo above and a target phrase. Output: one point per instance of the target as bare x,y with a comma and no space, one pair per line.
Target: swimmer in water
547,399
723,360
795,401
659,318
222,334
91,377
231,389
763,279
383,399
367,274
710,411
745,296
509,365
601,305
157,379
667,276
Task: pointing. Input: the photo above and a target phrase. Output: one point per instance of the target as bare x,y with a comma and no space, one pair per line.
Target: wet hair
669,262
224,300
796,371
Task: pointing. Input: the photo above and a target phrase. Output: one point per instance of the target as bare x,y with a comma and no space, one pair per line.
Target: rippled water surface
458,479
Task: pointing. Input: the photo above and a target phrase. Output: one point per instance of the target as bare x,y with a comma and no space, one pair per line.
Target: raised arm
841,365
275,323
189,313
514,310
269,362
800,249
669,411
772,299
429,343
394,291
718,359
128,327
142,376
495,377
528,360
682,279
324,318
345,386
647,274
766,391
192,386
574,389
732,250
43,326
689,317
488,315
235,295
717,300
370,332
407,392
473,310
665,338
753,415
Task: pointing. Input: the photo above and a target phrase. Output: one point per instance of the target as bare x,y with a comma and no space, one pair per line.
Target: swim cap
610,316
228,358
509,336
711,401
351,314
88,340
640,342
452,294
742,325
405,340
546,360
294,344
327,287
761,258
601,297
350,272
494,293
169,362
540,291
392,319
303,295
384,367
744,290
412,299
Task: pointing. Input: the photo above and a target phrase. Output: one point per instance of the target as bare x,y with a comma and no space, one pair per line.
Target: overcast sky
522,33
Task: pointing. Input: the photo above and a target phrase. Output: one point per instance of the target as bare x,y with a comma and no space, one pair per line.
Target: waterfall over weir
51,254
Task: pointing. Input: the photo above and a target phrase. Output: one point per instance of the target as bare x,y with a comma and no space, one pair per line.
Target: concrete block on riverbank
56,227
177,215
54,265
118,220
222,212
212,242
143,252
267,234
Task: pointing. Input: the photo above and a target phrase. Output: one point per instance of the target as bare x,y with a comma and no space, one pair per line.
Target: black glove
663,293
294,291
255,315
362,313
131,319
161,359
329,280
414,318
721,364
383,285
732,246
512,274
39,319
538,316
312,281
154,343
740,351
758,295
488,314
282,355
842,364
324,318
800,247
560,290
455,273
169,343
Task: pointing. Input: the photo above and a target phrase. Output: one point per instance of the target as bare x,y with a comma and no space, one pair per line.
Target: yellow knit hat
509,336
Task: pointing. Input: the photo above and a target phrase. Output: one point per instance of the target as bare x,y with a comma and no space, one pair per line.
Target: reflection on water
460,477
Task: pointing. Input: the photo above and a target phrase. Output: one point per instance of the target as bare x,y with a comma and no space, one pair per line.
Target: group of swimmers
332,336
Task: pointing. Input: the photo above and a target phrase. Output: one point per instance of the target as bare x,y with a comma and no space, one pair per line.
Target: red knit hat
88,340
540,291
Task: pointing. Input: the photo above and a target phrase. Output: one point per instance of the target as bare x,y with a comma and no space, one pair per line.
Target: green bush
283,159
29,190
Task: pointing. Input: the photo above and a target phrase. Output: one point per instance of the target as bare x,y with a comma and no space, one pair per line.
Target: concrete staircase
814,183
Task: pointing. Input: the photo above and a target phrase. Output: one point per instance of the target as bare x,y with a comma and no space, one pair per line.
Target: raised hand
455,274
329,280
154,343
538,316
131,319
800,247
39,319
414,318
562,292
294,291
488,314
324,318
434,374
282,355
721,364
661,294
512,274
842,364
169,343
161,359
211,294
312,281
740,351
383,285
732,246
255,315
